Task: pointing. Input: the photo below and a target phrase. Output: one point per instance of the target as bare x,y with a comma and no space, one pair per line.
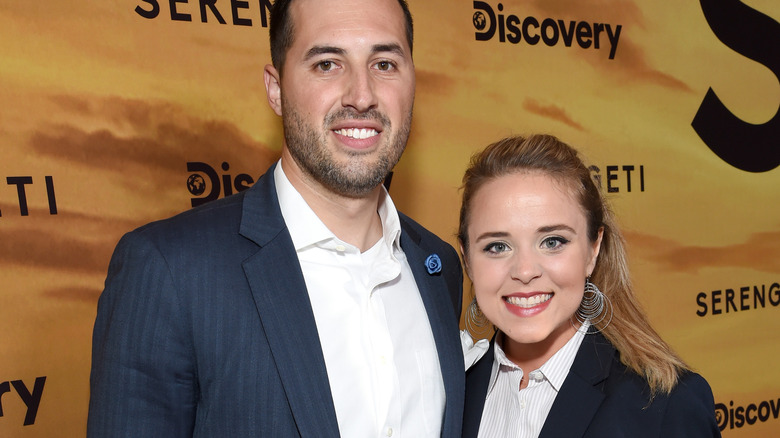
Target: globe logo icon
196,184
479,20
721,417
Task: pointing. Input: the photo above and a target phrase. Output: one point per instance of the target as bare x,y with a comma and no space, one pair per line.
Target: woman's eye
496,247
554,242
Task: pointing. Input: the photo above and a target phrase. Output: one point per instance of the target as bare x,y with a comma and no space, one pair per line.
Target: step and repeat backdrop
115,113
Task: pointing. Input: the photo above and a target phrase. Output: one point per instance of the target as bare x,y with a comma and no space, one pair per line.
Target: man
306,305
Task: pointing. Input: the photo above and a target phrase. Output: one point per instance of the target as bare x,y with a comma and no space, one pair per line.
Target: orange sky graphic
113,105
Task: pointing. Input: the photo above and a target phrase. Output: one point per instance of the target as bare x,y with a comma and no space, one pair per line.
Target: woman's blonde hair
640,347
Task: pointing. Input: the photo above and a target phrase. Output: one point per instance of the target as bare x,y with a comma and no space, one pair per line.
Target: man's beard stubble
355,178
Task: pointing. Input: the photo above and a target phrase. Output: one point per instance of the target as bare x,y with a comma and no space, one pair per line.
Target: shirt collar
554,370
306,228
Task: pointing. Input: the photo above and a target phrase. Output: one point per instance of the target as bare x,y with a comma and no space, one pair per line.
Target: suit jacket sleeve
142,380
691,410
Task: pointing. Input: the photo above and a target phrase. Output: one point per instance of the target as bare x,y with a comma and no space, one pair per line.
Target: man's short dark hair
281,30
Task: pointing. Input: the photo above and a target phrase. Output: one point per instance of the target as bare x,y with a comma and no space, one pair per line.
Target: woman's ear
595,249
465,258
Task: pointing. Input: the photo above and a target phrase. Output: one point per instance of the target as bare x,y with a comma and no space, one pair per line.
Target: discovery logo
531,30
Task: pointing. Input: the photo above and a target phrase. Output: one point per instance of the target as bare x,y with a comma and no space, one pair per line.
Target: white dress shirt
511,412
472,351
379,350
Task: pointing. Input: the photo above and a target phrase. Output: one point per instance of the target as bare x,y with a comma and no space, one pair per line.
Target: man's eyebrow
332,50
323,50
389,47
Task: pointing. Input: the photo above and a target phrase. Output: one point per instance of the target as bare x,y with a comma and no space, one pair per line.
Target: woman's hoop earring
595,308
477,323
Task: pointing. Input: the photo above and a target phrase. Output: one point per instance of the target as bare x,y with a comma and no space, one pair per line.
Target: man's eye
384,65
325,65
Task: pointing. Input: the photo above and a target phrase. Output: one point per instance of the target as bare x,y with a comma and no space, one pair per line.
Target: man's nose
359,91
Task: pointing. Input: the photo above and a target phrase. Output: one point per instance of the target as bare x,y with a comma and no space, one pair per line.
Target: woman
568,360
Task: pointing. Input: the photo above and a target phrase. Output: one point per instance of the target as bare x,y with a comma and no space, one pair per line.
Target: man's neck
352,219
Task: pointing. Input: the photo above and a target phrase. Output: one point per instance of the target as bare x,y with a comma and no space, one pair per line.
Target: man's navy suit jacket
601,398
205,328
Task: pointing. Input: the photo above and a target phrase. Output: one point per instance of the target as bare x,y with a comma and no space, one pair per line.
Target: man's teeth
357,133
528,302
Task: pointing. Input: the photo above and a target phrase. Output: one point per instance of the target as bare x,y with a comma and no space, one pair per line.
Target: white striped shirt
511,412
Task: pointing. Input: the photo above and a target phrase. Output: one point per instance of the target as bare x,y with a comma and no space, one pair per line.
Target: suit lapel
477,381
279,290
433,291
581,393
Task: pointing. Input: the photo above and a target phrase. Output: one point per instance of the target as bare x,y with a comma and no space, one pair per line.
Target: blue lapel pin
433,264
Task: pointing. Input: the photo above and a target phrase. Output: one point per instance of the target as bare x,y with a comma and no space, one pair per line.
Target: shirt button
522,404
389,431
341,248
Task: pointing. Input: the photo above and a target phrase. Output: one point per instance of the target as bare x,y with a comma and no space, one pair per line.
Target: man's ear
273,89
